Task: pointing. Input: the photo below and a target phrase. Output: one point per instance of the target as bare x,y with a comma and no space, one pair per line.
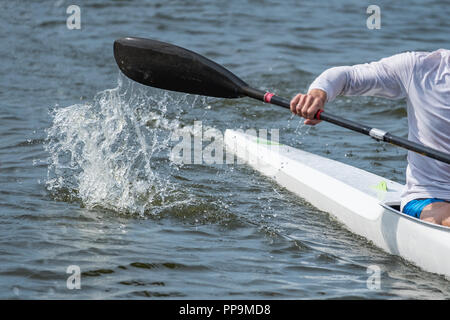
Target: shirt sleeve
388,78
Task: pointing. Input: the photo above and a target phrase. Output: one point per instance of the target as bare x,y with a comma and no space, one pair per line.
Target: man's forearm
332,81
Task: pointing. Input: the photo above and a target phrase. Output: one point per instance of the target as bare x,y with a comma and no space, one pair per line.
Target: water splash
104,153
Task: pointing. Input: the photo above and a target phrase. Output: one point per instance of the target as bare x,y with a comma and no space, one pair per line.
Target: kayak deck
366,203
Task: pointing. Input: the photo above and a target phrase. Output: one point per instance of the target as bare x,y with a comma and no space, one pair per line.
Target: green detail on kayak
382,186
270,143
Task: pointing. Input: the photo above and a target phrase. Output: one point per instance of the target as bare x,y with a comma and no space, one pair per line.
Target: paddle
166,66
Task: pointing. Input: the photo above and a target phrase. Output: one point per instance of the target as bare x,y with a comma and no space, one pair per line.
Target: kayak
367,204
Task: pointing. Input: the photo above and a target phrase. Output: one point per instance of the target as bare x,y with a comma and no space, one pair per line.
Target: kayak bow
352,196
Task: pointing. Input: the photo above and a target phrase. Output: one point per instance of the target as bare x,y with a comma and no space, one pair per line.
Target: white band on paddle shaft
377,134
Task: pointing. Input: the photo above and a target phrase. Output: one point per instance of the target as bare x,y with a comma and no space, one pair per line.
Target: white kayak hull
352,196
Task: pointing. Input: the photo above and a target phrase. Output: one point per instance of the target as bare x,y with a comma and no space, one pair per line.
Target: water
85,172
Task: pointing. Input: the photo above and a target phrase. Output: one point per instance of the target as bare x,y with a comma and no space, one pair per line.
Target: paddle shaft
166,66
377,134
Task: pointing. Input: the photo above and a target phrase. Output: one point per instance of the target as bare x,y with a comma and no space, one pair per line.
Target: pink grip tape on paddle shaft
317,116
268,96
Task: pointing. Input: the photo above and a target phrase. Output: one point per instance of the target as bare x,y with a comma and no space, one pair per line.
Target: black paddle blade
166,66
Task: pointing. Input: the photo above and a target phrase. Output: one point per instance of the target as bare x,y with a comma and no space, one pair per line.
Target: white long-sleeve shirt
423,78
